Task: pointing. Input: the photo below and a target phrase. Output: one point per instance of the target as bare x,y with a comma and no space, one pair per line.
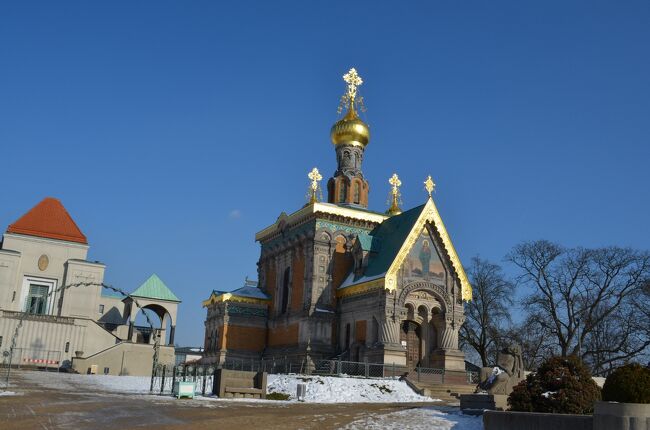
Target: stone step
447,392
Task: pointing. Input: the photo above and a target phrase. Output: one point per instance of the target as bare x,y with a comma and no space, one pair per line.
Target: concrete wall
610,415
498,420
82,301
19,259
40,333
125,358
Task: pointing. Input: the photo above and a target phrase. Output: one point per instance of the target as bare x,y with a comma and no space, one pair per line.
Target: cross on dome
353,80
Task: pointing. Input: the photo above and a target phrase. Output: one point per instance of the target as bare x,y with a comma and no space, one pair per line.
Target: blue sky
173,131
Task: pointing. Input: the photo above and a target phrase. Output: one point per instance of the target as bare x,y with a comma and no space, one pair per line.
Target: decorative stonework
436,290
340,227
43,262
246,311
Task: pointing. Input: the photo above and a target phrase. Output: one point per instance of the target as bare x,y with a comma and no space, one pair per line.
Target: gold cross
396,183
429,185
314,176
353,80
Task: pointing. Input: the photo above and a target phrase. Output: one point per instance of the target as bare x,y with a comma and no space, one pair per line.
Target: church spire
350,135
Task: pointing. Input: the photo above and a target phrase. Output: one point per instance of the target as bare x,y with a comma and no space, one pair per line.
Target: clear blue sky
173,131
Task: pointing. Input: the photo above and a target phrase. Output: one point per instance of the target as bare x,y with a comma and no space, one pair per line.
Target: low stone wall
610,415
498,420
239,384
125,358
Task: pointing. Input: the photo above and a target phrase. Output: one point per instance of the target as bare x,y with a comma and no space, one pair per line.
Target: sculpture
507,373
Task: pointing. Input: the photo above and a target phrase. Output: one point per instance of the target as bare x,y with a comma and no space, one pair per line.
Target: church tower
337,280
350,136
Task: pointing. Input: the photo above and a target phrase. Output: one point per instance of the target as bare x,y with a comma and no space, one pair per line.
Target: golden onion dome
350,130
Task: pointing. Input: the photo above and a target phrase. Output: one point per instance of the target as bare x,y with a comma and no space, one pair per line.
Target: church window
285,290
342,192
67,346
357,192
101,309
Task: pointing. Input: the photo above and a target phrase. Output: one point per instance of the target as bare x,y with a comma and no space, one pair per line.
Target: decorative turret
350,135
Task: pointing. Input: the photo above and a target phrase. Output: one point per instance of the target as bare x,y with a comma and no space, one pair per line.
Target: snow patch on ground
328,389
8,393
320,389
419,419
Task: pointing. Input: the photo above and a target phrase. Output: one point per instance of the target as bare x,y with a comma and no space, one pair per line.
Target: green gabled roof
384,242
155,288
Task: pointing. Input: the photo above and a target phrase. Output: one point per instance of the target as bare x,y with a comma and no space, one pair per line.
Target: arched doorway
143,333
410,337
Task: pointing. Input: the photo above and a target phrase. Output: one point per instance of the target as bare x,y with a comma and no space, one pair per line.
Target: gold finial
395,195
348,99
314,188
429,185
353,80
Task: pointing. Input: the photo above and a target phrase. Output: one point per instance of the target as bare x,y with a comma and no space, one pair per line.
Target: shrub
561,385
628,384
277,396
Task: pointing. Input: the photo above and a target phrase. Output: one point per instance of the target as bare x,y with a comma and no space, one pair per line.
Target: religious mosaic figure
425,258
507,373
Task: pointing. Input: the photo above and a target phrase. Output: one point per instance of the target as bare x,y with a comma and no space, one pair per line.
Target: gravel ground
59,401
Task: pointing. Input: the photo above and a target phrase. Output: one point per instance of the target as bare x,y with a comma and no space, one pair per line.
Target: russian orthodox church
339,280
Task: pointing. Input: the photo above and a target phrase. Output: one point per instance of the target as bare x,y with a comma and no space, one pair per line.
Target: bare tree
536,345
586,299
488,311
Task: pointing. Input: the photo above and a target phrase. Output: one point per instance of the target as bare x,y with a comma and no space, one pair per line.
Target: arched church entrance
411,339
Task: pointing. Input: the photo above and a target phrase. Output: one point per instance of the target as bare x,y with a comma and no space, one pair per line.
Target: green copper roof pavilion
155,288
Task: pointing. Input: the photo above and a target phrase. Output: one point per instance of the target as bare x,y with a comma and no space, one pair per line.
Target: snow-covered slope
325,389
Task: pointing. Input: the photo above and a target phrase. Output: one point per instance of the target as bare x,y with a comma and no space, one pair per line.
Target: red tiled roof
48,219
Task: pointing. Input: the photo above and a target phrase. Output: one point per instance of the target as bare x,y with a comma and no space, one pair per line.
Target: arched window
342,191
357,192
285,290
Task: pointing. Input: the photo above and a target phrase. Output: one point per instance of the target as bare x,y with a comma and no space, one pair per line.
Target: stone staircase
447,392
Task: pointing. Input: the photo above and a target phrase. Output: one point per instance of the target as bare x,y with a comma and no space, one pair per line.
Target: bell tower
350,136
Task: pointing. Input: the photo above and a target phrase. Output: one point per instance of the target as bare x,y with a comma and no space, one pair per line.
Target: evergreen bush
561,385
628,384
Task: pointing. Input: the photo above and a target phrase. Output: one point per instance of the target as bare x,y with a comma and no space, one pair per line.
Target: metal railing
203,375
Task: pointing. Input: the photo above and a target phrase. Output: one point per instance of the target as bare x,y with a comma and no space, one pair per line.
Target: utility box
184,389
301,391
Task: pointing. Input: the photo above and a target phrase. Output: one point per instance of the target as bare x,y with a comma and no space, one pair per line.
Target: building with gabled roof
339,280
43,252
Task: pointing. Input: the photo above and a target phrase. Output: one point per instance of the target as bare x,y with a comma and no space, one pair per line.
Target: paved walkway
41,406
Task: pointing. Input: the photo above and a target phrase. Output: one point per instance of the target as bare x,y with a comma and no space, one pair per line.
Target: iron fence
203,375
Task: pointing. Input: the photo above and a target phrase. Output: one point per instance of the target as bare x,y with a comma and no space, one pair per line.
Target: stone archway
421,303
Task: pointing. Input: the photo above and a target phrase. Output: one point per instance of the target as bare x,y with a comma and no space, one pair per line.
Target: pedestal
447,359
475,404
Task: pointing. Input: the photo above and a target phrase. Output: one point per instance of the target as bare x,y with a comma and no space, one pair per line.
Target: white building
86,326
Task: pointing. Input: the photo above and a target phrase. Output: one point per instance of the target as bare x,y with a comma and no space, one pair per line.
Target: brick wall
285,335
243,338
